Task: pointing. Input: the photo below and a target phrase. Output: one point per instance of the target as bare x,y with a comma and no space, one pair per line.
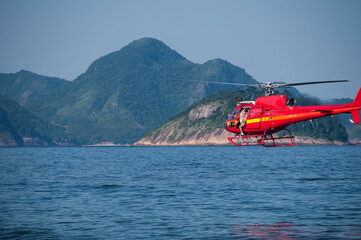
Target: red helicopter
255,122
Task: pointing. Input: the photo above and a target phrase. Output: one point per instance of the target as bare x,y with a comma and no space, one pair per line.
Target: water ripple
180,192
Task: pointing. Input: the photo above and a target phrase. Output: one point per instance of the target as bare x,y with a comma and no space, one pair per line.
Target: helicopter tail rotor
357,103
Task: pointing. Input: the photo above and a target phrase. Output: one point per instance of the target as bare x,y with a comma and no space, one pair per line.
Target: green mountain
204,123
25,87
18,127
127,93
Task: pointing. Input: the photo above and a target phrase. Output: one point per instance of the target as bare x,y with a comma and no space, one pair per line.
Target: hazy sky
289,41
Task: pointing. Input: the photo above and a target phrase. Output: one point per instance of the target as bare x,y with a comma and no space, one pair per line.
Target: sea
209,192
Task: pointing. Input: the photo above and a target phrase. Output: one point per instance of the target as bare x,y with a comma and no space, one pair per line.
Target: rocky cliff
203,124
216,137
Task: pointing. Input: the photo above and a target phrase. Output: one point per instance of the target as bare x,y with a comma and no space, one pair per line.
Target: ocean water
304,192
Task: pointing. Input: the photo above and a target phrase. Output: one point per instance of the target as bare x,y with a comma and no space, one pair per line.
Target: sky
278,40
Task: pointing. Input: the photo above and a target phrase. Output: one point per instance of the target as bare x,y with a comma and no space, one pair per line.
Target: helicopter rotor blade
268,86
309,83
225,83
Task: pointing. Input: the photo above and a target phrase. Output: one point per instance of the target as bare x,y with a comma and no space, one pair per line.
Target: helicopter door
254,118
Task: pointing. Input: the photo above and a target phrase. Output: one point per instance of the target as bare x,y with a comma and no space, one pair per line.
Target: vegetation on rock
19,127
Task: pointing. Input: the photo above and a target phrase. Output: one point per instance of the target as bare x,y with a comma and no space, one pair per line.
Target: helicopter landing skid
261,139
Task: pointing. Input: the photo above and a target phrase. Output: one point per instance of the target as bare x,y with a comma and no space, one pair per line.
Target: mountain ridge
126,93
25,86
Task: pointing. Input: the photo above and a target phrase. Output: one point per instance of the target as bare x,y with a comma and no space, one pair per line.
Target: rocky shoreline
219,137
25,142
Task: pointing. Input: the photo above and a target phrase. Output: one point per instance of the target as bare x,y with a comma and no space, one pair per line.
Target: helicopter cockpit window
290,102
234,116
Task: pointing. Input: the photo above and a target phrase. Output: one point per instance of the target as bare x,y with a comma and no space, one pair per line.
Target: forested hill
25,87
127,93
18,127
124,95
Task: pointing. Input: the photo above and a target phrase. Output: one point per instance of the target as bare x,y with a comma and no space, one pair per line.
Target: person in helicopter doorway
242,120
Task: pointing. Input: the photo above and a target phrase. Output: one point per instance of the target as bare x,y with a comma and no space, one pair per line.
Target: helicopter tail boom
357,103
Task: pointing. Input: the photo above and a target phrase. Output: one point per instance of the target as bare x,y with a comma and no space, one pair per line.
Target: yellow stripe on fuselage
265,119
256,120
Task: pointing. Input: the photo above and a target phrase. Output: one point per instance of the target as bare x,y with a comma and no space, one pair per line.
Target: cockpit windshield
234,116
